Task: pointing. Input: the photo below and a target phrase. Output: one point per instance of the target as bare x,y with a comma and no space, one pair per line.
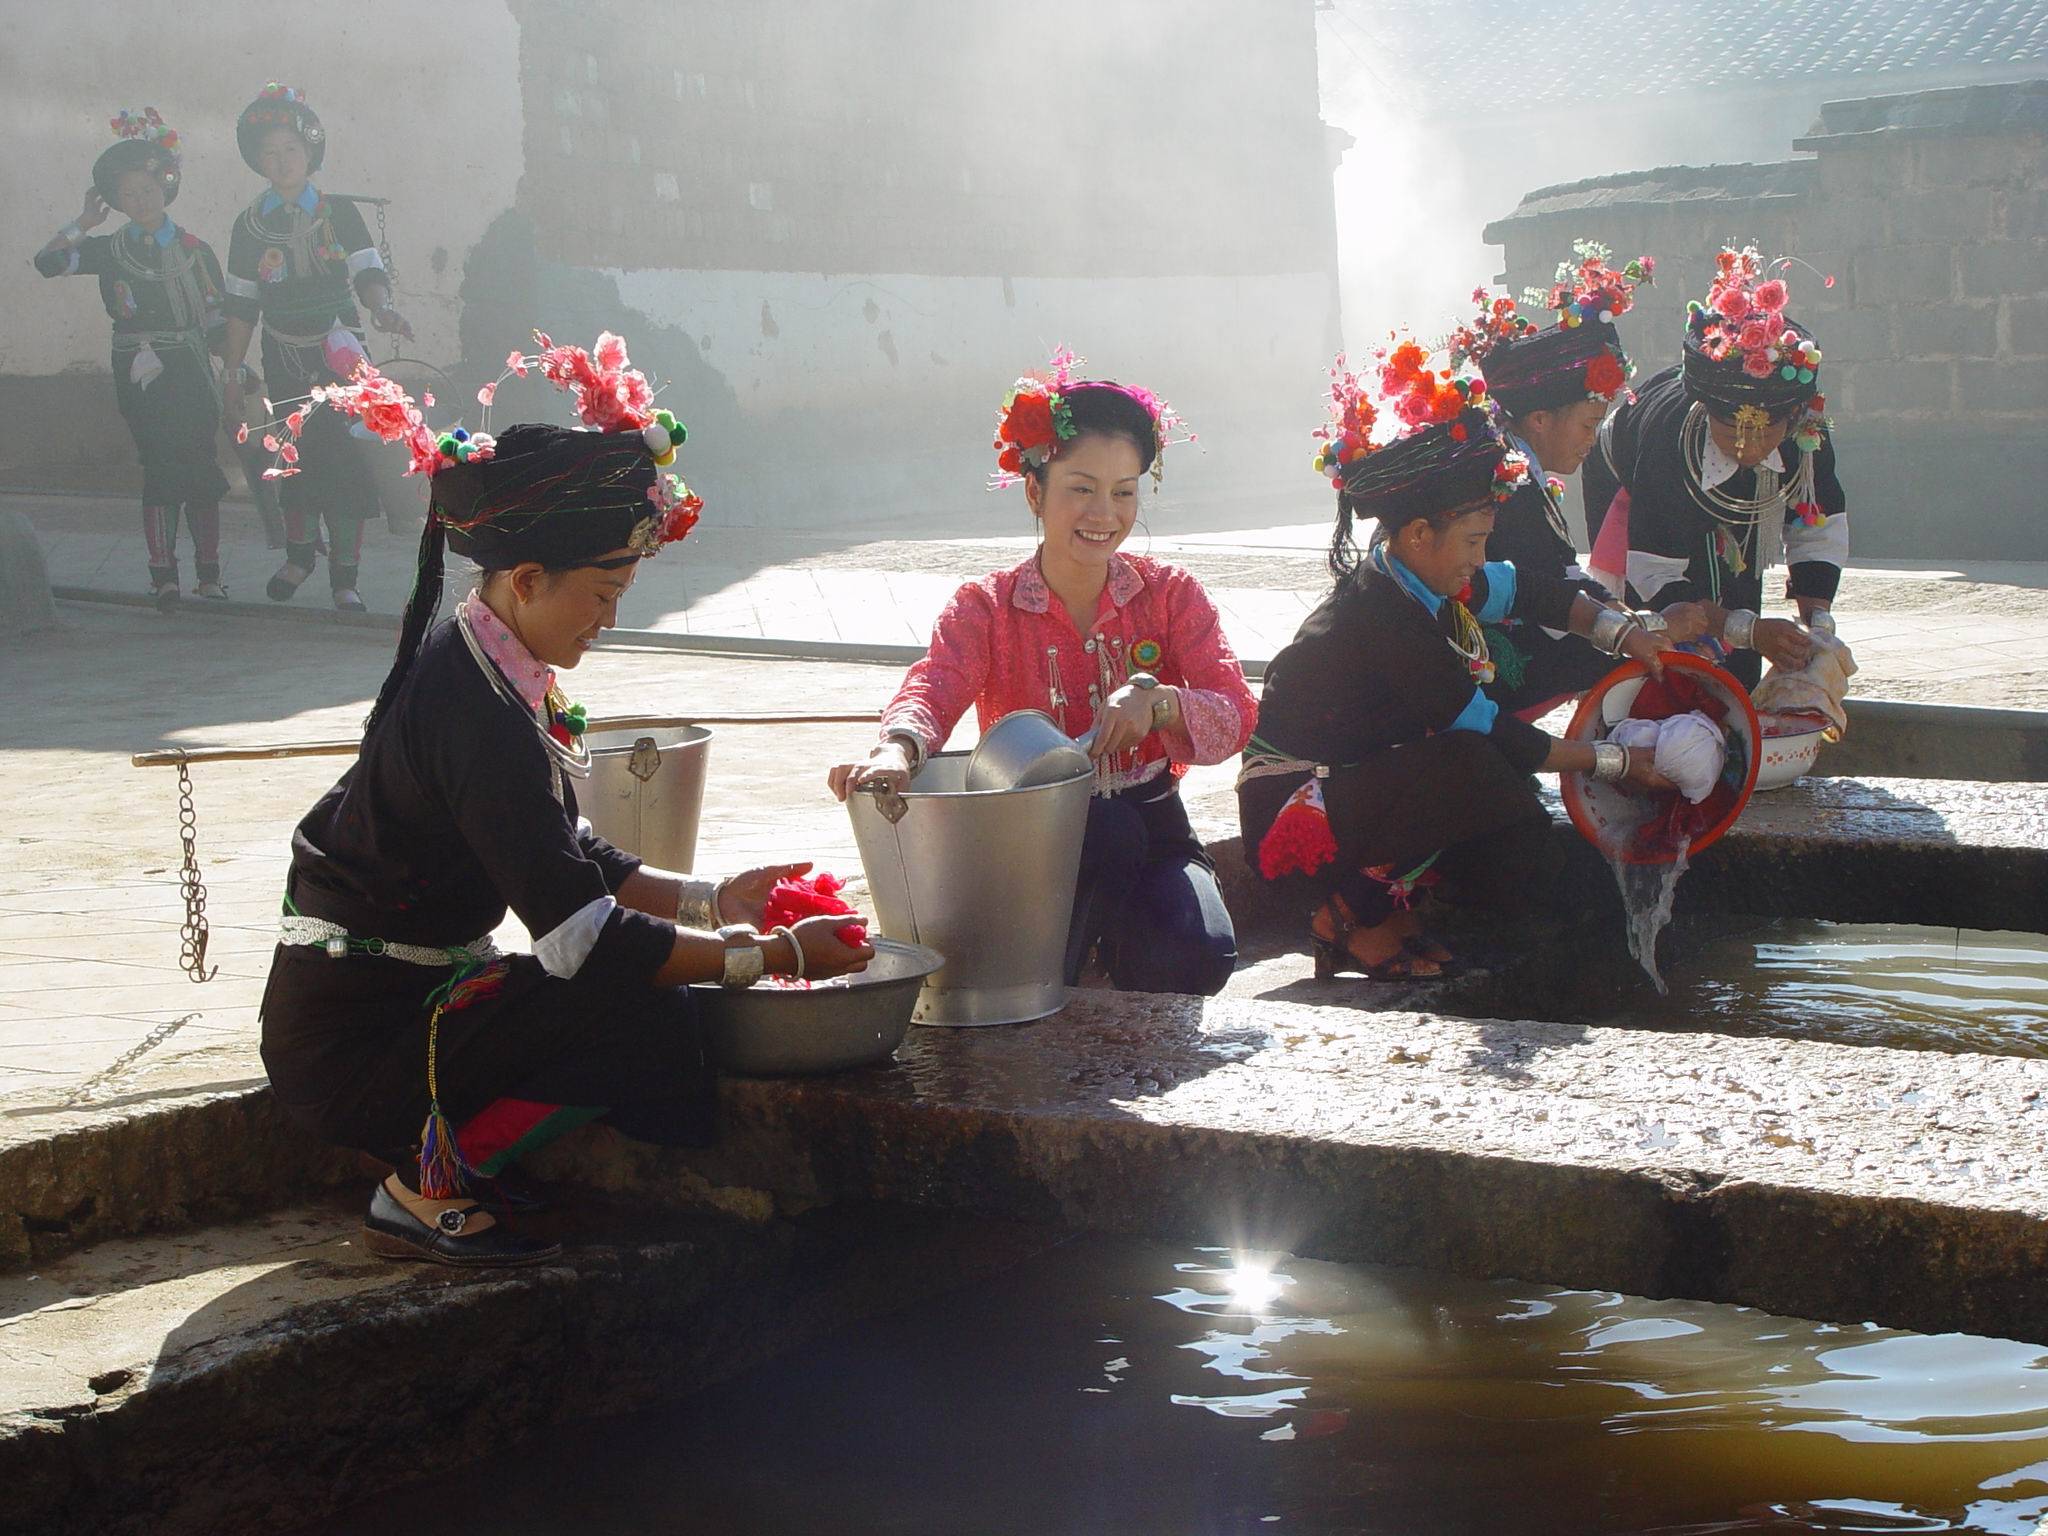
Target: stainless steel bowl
767,1031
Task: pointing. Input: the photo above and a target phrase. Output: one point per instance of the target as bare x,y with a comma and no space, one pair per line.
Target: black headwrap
1548,369
1725,386
135,155
279,107
547,494
1446,465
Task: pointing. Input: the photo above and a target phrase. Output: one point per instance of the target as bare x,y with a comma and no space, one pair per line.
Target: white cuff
1828,544
239,287
562,950
363,261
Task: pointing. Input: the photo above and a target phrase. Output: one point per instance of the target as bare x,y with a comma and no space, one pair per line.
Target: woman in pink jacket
1091,635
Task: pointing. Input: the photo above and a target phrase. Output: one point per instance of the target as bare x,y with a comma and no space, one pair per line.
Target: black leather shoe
392,1232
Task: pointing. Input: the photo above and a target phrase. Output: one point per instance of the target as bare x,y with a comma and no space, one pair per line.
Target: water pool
1124,1386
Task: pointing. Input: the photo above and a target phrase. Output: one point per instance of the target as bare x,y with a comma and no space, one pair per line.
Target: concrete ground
90,908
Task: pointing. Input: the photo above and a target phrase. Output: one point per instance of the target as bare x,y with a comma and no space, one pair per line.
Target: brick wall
1931,212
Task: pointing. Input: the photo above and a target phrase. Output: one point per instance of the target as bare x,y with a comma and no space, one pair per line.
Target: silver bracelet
1610,762
72,233
1654,623
913,746
795,949
1822,622
697,903
1738,633
1611,628
744,962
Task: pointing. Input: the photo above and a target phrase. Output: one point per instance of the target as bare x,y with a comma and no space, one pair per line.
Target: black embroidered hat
280,106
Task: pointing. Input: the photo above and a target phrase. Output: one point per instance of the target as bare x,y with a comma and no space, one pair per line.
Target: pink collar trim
528,677
1034,596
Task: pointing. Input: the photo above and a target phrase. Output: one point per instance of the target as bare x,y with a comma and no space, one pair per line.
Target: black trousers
1454,795
1147,896
347,1053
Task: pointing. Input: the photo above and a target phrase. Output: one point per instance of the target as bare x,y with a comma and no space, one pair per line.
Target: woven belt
337,941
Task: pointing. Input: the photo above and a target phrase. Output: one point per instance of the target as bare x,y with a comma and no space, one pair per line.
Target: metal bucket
987,879
645,792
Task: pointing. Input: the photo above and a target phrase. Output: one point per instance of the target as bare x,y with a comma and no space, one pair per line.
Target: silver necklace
1738,511
575,760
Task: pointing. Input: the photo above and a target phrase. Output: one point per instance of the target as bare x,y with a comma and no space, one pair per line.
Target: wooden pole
173,756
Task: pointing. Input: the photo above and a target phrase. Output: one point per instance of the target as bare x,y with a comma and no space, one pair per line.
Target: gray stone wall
1931,213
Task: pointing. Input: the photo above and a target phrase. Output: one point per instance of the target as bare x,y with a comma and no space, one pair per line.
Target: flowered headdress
280,106
1038,416
558,496
1578,356
1450,450
147,143
1744,356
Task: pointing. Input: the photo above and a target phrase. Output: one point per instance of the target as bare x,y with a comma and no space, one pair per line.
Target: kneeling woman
1097,639
1379,761
386,1009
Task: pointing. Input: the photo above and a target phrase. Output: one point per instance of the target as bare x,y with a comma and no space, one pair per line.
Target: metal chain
192,937
384,249
127,1059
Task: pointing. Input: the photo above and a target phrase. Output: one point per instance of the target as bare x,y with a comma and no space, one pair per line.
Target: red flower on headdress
1756,365
1731,302
1028,421
1771,295
1604,374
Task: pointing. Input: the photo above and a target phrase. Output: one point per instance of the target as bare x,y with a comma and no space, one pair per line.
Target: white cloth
562,950
1650,574
1819,686
143,371
1690,749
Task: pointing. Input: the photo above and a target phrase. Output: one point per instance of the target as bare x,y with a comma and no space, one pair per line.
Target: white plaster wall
421,105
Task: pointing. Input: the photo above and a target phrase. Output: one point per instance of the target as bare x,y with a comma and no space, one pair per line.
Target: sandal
1333,956
1427,946
213,591
392,1232
284,586
346,600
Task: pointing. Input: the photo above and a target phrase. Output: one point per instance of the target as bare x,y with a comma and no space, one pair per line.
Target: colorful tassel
444,1174
1300,840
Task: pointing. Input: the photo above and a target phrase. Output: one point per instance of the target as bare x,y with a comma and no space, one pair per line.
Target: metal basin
1024,749
852,1021
985,877
645,792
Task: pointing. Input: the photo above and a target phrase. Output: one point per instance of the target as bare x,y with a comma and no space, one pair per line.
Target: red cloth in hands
816,895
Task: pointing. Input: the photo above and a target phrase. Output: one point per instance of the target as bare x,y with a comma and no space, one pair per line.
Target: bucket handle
645,762
889,802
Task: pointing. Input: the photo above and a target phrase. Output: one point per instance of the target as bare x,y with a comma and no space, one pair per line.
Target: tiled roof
1498,55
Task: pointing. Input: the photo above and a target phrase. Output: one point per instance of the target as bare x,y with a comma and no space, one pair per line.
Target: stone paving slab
1850,1184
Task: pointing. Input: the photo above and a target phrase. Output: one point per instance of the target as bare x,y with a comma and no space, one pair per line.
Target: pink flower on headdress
609,394
1756,365
516,362
1753,337
1771,295
1732,302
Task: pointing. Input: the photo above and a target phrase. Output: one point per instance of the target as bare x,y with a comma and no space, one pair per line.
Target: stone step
254,1376
1951,853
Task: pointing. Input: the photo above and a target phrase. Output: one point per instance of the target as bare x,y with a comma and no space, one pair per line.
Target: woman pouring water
1123,645
1380,763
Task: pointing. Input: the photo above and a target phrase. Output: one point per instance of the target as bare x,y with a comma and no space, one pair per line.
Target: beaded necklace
559,723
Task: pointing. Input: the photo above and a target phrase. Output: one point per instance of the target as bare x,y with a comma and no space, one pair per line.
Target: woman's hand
386,318
824,954
1642,772
95,211
887,767
1686,622
744,898
1123,722
1647,648
1783,643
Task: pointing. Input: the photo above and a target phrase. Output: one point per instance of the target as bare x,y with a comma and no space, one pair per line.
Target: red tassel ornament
1300,840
